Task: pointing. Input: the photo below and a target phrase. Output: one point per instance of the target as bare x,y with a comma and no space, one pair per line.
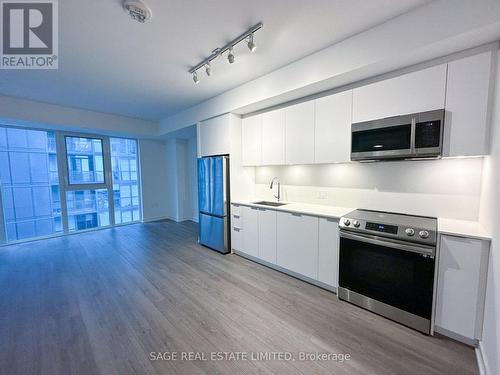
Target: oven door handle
419,249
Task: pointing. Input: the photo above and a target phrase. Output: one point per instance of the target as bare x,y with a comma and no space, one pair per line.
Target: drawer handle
296,214
237,228
236,216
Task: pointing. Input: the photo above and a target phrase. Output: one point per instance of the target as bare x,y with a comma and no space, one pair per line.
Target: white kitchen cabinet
273,137
250,225
419,91
328,251
236,228
297,243
461,286
215,136
467,99
299,133
333,128
251,140
267,235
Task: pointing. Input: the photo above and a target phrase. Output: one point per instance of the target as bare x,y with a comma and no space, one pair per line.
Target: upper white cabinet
333,128
215,136
273,137
467,99
251,135
328,251
267,235
419,91
299,133
297,243
461,285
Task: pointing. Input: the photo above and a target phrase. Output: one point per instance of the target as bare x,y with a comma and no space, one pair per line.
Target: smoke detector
137,10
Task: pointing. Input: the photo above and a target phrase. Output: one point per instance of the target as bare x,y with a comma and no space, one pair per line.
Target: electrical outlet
321,195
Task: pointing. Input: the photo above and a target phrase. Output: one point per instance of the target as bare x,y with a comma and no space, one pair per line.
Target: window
85,160
30,183
87,209
52,182
125,180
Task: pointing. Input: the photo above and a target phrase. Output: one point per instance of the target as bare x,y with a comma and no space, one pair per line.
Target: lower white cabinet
461,286
236,228
250,229
328,251
267,235
297,243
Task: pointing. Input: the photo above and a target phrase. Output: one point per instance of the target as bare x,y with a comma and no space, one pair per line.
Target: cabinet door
333,128
419,91
467,95
297,247
214,136
267,235
251,140
273,137
236,228
328,257
461,285
250,217
299,137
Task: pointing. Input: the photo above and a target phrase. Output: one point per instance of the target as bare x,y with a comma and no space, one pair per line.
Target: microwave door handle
426,250
413,132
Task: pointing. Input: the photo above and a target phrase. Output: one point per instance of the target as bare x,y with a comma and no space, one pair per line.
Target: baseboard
482,362
286,271
156,219
455,336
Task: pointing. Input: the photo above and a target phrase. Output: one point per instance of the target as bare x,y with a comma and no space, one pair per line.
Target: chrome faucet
279,185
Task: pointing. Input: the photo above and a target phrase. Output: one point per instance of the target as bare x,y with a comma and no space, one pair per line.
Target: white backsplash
445,188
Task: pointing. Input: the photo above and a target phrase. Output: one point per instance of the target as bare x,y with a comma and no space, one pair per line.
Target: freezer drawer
213,232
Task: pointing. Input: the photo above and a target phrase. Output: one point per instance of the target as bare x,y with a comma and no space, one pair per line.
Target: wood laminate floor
101,302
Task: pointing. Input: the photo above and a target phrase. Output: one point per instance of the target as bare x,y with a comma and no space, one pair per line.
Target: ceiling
109,63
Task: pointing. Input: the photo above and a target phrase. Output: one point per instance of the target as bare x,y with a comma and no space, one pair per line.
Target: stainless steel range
387,265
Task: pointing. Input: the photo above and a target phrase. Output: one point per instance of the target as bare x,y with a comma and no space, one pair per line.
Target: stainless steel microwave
417,135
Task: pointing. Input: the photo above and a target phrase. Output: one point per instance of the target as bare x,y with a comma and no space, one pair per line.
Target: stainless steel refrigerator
213,200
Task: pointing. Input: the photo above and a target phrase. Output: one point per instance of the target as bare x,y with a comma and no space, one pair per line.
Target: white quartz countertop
462,228
304,208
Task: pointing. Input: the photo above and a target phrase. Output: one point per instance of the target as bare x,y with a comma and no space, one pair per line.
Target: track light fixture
230,56
247,35
208,69
251,45
196,80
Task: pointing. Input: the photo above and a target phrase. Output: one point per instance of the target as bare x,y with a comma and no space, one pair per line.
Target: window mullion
62,166
108,178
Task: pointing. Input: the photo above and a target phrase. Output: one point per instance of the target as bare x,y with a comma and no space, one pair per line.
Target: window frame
65,185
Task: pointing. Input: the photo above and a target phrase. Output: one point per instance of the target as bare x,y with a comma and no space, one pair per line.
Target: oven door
390,277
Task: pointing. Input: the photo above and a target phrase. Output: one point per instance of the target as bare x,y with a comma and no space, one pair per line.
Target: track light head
230,56
251,45
208,69
196,80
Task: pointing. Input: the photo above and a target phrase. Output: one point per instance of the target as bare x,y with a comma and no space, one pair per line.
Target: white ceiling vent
137,10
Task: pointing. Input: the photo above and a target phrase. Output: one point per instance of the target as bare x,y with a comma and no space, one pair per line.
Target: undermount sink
273,204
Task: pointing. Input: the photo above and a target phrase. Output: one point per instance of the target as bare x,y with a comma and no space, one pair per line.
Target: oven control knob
356,223
423,234
347,222
410,231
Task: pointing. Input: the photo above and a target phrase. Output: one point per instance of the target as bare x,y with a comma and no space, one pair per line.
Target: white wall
182,179
154,179
448,188
23,112
490,219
